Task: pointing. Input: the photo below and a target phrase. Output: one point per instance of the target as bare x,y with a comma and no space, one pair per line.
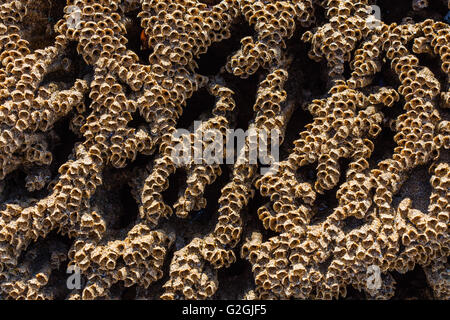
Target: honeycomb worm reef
92,94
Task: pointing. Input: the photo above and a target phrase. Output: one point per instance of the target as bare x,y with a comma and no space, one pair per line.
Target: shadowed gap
62,144
211,62
76,68
129,213
200,102
176,182
39,29
136,40
395,11
384,147
412,285
417,187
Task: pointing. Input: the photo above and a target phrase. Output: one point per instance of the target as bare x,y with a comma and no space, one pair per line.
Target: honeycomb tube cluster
124,107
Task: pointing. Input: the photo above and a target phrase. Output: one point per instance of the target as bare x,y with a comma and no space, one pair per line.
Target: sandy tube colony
89,115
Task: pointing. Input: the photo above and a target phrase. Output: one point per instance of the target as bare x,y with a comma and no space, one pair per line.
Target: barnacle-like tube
119,111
